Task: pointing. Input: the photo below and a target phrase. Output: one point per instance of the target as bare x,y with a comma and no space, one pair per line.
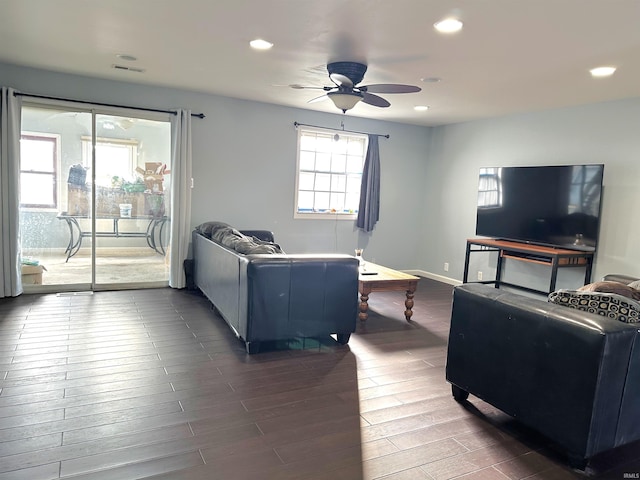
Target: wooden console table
553,257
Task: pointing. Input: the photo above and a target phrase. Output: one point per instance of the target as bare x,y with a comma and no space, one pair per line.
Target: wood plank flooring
152,384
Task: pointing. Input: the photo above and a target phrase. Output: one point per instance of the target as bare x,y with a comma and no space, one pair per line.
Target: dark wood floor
152,384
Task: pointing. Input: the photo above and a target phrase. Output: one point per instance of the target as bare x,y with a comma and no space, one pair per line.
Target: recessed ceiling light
421,108
448,25
260,44
430,79
128,58
602,71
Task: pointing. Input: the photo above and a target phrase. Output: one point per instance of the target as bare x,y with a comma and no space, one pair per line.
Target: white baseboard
433,276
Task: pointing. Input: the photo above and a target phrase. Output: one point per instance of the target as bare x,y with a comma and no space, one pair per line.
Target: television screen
555,205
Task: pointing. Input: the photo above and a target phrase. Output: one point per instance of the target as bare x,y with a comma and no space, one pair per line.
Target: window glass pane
337,201
115,161
306,181
353,183
38,169
340,146
112,161
305,201
307,142
324,143
36,189
307,160
323,162
354,164
322,201
352,202
338,163
338,183
323,182
37,155
356,147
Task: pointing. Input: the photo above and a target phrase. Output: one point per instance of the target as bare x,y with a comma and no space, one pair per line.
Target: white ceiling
512,55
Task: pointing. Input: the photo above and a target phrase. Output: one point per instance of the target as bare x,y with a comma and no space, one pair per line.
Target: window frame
56,160
326,214
131,144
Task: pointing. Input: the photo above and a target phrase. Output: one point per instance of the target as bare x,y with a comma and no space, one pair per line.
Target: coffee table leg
409,304
364,306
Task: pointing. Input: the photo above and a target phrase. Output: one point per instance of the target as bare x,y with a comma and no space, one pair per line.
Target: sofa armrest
558,370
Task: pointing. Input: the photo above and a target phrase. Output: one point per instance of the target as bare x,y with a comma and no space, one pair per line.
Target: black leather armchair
571,375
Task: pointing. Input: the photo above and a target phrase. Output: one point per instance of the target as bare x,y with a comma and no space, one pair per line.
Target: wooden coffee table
376,278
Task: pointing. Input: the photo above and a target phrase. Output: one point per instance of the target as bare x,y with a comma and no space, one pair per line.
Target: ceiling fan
346,92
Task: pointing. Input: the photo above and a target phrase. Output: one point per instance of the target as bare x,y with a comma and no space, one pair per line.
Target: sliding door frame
94,110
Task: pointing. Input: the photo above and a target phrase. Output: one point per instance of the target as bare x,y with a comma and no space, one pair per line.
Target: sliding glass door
94,199
132,177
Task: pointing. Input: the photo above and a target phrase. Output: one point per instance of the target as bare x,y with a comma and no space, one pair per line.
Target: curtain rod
296,124
45,97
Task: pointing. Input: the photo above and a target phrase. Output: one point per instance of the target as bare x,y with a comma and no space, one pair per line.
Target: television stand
553,257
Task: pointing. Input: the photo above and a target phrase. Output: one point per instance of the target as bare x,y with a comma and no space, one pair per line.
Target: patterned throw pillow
610,305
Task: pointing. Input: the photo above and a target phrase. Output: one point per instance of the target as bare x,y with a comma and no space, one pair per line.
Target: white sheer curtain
10,279
180,196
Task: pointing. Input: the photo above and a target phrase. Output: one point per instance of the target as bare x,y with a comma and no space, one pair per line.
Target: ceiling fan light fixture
448,25
344,100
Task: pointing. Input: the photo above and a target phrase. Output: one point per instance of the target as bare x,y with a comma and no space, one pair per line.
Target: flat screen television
556,205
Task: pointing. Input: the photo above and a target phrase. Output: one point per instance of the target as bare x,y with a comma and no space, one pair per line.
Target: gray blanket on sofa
228,236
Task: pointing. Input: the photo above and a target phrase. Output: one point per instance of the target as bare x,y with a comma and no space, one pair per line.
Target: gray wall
598,133
244,163
244,156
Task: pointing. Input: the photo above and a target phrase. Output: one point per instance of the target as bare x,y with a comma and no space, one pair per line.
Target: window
114,158
38,170
490,188
329,173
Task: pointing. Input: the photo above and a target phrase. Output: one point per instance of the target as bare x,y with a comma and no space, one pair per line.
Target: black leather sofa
570,375
266,297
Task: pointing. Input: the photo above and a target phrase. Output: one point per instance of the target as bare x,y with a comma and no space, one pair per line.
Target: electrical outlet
479,275
446,266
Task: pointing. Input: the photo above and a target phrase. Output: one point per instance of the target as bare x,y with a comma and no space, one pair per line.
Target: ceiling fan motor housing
352,70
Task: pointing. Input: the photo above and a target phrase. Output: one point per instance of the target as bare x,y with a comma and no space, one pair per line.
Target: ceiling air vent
130,69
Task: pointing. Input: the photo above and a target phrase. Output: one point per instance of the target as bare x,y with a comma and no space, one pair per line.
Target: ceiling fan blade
297,86
318,99
374,100
390,88
341,80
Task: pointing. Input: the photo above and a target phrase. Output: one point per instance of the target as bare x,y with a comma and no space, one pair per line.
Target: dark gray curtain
369,209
